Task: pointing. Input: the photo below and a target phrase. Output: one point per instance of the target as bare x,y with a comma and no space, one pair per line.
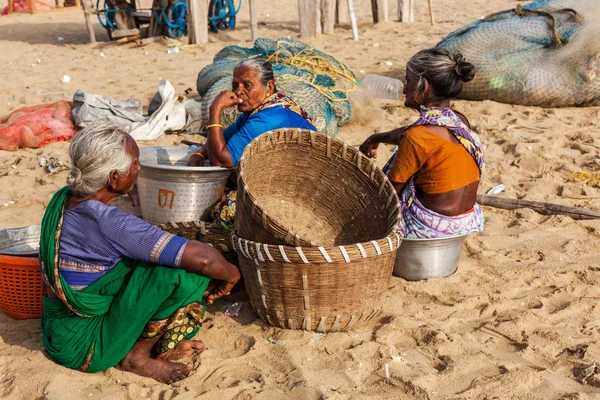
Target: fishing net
316,81
546,53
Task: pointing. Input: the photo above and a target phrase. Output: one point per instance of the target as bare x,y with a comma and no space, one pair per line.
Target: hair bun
464,69
74,178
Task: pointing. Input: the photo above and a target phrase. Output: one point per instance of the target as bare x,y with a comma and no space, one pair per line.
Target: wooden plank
383,10
374,11
431,12
31,8
125,17
319,16
406,12
123,20
11,7
148,40
341,12
155,28
87,5
121,33
197,21
537,206
329,16
129,39
380,10
307,10
51,10
253,22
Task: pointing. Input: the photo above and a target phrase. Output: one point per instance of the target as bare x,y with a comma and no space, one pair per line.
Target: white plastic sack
170,116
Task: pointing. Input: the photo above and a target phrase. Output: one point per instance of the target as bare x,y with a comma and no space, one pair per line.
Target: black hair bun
464,69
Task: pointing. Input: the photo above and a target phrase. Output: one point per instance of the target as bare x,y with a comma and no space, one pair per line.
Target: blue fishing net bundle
545,53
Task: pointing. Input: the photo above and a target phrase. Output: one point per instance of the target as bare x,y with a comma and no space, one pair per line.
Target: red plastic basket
21,287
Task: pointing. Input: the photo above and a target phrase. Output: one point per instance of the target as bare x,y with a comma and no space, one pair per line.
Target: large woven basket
304,188
324,289
213,234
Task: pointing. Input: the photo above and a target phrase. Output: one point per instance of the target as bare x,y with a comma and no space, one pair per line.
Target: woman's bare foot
185,348
138,361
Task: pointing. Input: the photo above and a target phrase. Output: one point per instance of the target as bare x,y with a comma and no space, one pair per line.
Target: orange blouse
438,165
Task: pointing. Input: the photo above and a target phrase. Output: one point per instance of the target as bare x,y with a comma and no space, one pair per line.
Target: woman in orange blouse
438,164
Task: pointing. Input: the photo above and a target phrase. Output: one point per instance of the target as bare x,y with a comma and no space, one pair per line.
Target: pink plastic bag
37,126
23,5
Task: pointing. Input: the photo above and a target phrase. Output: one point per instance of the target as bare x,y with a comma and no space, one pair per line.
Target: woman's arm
369,146
216,145
205,260
137,239
197,159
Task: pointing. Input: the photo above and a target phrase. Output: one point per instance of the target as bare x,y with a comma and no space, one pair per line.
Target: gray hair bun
464,69
74,178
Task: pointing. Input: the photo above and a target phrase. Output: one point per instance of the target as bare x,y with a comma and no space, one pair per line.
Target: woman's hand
220,289
369,147
206,260
225,99
196,160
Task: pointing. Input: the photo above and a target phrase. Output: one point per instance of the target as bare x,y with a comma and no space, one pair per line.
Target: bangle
198,153
214,126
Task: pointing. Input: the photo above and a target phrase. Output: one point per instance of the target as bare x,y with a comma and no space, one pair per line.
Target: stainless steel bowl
20,241
169,190
428,258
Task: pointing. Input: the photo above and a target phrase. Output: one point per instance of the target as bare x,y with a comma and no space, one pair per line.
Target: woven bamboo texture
323,289
213,234
304,188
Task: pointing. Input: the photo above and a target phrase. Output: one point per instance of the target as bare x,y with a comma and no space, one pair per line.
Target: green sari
94,328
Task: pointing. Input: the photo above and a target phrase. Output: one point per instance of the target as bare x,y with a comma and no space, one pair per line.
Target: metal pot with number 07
170,191
418,259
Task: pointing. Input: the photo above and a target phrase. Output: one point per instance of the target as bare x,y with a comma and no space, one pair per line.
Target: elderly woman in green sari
120,291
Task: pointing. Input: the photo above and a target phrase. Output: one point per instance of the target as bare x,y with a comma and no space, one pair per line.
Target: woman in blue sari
263,109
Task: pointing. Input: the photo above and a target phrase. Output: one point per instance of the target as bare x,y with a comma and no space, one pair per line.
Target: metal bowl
20,241
428,258
169,190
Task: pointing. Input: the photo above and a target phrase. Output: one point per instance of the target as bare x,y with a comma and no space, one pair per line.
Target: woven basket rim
321,254
188,224
356,158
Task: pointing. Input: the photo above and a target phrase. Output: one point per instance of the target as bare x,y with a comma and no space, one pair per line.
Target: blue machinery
221,15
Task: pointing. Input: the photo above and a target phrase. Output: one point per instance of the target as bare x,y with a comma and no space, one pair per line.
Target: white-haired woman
263,109
120,292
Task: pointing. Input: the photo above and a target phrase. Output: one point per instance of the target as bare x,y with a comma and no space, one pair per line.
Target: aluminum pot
20,241
428,258
169,190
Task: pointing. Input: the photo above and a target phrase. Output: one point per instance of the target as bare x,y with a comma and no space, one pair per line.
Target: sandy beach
519,319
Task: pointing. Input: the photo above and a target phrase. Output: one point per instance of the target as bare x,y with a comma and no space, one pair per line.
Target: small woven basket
21,287
304,188
323,289
213,234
